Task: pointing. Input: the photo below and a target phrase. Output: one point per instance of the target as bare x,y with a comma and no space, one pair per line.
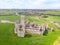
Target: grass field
7,36
57,42
52,12
54,18
11,18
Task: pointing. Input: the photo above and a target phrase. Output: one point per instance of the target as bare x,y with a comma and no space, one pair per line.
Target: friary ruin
23,26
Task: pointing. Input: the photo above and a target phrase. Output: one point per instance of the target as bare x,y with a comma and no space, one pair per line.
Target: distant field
8,12
52,12
11,18
54,18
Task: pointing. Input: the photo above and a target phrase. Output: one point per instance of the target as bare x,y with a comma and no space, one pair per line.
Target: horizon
29,9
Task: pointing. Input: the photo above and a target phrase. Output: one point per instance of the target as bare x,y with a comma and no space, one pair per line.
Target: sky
29,4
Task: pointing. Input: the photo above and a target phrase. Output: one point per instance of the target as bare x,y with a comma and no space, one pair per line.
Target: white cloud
40,4
29,4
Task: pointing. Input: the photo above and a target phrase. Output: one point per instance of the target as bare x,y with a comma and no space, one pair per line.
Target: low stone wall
6,21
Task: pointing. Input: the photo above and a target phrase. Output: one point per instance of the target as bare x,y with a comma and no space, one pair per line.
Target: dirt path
6,21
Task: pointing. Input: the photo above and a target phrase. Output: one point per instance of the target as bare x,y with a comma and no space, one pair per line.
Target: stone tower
20,27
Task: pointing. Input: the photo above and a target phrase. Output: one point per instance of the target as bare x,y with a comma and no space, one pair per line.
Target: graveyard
9,37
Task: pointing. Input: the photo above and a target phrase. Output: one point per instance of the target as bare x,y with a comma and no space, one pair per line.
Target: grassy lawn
11,18
57,42
33,20
7,36
54,18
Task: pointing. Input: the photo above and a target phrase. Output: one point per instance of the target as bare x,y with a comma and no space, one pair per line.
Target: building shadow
45,33
28,35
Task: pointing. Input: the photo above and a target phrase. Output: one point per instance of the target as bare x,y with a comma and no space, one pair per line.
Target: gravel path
6,21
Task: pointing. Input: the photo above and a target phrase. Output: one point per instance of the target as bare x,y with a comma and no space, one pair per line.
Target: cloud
45,4
30,4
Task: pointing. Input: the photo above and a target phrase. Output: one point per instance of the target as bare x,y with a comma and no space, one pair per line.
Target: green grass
34,20
7,37
52,12
11,18
54,18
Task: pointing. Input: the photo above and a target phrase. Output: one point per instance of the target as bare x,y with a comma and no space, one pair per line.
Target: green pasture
54,18
11,18
52,12
8,37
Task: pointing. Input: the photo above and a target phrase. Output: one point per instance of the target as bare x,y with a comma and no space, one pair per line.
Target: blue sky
29,4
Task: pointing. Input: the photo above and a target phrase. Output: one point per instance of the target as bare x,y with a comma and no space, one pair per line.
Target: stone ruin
24,26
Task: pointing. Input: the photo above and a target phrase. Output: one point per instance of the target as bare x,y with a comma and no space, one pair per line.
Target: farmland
11,18
54,18
7,36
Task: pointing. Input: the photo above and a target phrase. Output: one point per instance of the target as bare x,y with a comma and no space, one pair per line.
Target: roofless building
23,26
